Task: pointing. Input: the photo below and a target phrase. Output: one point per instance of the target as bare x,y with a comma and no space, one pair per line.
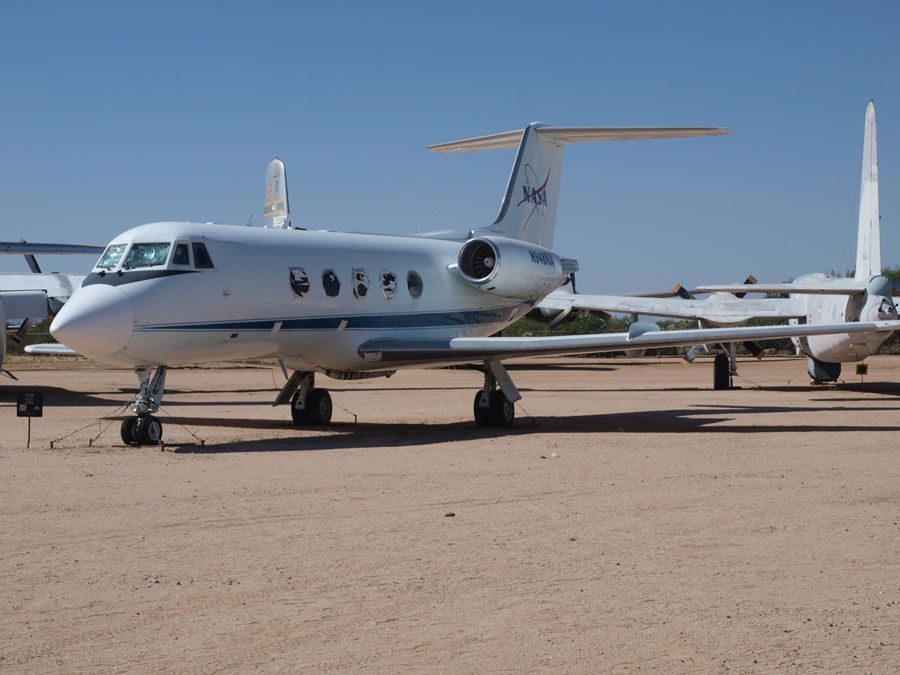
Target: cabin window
414,283
181,255
331,283
146,255
111,256
299,281
360,284
202,260
388,284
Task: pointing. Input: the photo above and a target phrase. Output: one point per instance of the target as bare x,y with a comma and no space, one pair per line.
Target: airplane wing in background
837,287
50,348
641,336
728,310
26,248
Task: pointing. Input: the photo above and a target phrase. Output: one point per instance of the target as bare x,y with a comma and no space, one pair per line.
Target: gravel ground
638,521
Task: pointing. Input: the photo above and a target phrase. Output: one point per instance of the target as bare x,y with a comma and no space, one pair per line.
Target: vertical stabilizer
528,209
277,213
868,243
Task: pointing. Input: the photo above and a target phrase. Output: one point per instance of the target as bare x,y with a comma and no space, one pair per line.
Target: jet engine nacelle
510,268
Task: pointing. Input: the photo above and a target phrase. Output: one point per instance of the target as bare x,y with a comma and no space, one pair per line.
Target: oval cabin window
414,283
331,283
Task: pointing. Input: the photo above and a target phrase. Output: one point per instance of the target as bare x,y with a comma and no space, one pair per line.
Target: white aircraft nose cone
97,321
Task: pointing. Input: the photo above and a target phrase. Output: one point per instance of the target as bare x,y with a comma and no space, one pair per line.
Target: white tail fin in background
868,243
276,211
528,210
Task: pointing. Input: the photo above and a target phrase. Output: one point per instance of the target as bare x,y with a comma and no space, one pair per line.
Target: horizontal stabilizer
837,287
565,135
51,348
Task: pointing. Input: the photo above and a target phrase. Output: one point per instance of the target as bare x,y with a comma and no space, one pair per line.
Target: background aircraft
28,298
811,299
356,305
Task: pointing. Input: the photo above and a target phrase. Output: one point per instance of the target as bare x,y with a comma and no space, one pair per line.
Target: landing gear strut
144,428
493,406
309,406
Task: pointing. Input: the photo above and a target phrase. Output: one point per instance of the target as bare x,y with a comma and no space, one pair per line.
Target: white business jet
356,305
29,298
812,299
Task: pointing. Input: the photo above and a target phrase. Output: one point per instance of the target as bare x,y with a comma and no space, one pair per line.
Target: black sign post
29,404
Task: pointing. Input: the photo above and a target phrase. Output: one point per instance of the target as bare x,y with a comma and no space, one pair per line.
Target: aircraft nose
97,321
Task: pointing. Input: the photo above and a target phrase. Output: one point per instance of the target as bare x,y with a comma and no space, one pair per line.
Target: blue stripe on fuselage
463,317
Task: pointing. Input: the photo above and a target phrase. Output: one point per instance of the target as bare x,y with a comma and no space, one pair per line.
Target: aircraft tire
298,414
319,408
503,411
721,372
127,430
148,430
483,411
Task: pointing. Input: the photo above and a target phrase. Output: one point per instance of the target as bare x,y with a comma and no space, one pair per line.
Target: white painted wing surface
837,287
50,348
714,309
474,349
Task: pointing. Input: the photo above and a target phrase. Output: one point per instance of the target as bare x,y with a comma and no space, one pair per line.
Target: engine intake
510,268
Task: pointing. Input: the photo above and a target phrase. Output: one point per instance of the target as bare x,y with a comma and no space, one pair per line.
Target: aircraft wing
641,336
837,287
54,285
25,248
50,348
714,309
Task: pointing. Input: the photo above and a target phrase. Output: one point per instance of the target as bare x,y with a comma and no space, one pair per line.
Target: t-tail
868,243
528,209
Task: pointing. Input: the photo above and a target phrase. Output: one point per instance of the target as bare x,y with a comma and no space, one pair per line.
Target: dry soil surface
639,521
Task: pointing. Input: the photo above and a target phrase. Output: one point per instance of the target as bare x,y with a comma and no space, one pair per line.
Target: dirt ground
639,521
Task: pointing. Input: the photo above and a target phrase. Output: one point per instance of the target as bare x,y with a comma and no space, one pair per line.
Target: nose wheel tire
127,431
316,412
493,409
143,430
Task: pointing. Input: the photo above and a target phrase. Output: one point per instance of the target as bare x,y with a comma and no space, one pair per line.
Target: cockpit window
201,257
146,255
181,256
111,256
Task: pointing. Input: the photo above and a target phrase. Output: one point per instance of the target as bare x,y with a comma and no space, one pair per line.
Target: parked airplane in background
29,298
812,299
357,305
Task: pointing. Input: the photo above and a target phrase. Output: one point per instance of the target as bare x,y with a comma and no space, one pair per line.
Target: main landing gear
309,406
821,372
725,367
495,406
144,428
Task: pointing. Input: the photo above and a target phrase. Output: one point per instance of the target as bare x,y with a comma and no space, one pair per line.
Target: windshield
146,255
111,256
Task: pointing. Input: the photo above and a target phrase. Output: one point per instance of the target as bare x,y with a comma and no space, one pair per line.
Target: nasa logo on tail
534,192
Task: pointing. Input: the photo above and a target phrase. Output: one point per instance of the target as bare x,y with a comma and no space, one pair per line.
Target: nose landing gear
145,429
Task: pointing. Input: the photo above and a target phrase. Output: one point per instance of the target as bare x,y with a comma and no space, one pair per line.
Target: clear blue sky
116,114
